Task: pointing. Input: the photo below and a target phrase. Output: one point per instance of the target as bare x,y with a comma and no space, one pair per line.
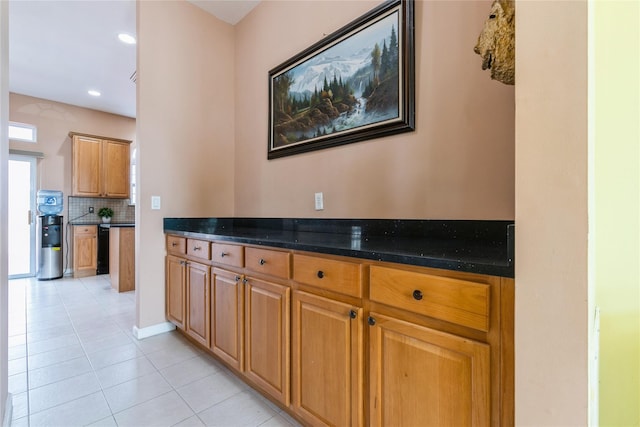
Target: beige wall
201,77
551,335
54,121
457,164
185,96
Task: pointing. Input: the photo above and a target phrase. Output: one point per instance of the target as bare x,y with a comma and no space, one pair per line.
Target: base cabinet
176,281
327,361
423,377
339,341
197,292
227,317
187,302
85,250
267,328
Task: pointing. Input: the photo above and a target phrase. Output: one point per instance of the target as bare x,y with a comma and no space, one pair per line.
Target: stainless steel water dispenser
50,226
50,247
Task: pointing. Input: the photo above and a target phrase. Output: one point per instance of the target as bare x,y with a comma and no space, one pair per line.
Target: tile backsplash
78,208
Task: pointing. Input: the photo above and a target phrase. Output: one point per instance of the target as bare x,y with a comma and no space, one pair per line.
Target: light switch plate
155,202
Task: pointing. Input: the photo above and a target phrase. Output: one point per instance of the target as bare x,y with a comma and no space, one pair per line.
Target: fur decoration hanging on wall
496,43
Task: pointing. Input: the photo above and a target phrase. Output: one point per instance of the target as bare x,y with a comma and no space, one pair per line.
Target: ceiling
59,50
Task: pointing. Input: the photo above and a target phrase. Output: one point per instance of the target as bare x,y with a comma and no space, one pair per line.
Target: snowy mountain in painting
311,75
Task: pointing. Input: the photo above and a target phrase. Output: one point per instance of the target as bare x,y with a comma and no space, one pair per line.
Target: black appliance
50,247
103,249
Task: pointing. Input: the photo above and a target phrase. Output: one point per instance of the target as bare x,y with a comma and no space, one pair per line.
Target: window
23,132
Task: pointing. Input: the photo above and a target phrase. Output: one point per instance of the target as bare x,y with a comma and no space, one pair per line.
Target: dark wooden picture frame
355,84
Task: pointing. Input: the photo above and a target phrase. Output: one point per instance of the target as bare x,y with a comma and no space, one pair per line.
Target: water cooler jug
50,225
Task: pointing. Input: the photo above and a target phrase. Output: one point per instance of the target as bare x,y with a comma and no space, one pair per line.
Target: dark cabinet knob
244,281
262,261
197,248
417,295
320,274
237,278
353,314
174,244
223,254
371,321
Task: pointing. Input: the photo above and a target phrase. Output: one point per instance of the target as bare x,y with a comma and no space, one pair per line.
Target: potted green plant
106,214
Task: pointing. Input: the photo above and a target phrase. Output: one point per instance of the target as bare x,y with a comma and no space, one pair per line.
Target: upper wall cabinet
100,166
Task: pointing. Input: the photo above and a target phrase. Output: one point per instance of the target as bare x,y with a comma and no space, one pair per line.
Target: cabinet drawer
458,301
223,253
199,248
85,229
176,245
273,263
338,276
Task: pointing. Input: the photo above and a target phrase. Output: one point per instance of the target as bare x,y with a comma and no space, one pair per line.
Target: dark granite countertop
104,224
484,247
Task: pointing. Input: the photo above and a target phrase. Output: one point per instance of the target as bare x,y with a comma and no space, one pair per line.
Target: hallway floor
73,361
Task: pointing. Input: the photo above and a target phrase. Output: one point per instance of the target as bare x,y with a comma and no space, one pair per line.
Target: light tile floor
73,361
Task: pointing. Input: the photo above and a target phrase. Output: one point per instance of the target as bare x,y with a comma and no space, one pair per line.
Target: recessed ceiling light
94,93
126,38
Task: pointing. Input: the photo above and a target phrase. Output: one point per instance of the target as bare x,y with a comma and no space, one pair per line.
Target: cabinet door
327,359
227,322
420,376
116,165
85,251
175,290
87,167
197,324
267,308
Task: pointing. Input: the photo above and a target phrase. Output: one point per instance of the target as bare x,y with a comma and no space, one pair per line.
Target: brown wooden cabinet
350,342
116,166
187,297
198,308
440,347
422,377
227,317
101,166
85,250
188,287
267,328
327,361
122,259
175,289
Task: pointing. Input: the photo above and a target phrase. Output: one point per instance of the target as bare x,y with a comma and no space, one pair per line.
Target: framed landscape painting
356,84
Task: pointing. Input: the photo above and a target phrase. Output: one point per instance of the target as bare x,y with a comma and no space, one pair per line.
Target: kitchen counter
484,247
104,224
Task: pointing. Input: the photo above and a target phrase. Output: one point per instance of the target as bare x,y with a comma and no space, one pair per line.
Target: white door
22,226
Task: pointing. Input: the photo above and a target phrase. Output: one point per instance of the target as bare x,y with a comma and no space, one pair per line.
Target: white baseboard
8,411
149,331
